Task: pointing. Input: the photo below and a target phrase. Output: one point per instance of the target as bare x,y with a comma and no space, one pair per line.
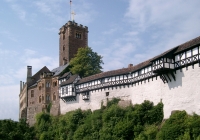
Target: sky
122,31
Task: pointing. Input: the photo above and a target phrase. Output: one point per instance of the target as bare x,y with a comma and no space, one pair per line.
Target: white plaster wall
182,94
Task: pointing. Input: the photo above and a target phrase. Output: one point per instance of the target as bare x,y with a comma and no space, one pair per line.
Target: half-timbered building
171,77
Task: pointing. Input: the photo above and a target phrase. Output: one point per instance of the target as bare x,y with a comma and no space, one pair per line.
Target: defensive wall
172,78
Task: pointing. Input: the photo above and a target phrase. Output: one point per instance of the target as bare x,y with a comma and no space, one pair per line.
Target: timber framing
164,66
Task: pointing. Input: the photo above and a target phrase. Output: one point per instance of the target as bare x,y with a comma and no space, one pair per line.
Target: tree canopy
86,62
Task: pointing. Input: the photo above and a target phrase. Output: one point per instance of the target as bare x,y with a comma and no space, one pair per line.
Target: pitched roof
59,69
36,77
64,75
70,80
188,44
115,72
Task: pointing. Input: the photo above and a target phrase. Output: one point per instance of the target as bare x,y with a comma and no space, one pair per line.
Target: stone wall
182,94
35,105
68,41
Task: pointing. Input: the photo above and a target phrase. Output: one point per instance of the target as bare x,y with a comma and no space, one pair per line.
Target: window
47,84
63,47
54,96
63,36
107,93
48,97
78,35
40,99
66,90
39,87
55,83
32,93
63,91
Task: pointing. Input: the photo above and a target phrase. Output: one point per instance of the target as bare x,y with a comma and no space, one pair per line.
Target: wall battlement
72,24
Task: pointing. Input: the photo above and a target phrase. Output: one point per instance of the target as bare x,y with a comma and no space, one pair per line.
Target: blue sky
122,31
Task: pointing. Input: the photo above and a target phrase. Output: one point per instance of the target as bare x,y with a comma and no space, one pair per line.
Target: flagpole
70,9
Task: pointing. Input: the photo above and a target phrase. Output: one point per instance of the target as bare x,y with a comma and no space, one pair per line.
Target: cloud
9,35
6,79
111,31
85,13
31,58
51,9
168,18
19,10
9,102
43,7
152,27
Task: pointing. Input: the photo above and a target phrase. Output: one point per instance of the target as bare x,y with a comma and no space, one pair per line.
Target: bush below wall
111,122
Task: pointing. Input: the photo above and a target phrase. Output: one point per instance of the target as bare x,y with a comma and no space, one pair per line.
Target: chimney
130,65
21,86
29,73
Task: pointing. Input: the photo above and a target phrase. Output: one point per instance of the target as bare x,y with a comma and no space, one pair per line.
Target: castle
171,77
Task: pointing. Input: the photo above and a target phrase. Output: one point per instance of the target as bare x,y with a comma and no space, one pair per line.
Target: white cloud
9,35
152,27
31,58
51,9
85,13
19,10
172,18
6,79
9,102
43,6
111,31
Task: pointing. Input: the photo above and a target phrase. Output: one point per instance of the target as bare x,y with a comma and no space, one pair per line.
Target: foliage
86,62
11,130
138,122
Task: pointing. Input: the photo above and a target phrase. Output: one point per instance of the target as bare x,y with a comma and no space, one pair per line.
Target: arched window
63,47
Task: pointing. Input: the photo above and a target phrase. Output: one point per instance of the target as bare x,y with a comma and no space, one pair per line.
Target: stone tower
72,37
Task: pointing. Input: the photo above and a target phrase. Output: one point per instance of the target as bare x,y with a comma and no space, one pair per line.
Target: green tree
86,62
